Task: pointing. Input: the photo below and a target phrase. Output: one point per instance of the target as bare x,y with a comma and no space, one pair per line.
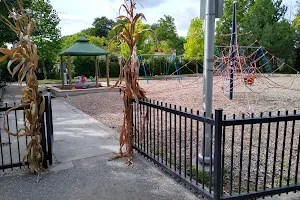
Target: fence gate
13,148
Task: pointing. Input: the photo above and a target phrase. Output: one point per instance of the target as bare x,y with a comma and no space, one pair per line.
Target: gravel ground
266,94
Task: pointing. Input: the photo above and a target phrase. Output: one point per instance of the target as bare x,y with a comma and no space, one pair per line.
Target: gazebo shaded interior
83,47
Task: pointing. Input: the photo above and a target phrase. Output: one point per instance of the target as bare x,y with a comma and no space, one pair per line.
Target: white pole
208,74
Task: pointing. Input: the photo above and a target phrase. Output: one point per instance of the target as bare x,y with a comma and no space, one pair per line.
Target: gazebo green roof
83,47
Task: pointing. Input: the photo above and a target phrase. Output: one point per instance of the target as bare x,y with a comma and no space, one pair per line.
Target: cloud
73,18
76,15
151,3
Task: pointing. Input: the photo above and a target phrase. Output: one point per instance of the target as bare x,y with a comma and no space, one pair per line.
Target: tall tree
102,26
7,35
47,35
25,59
166,30
296,25
265,20
225,22
179,45
194,46
261,14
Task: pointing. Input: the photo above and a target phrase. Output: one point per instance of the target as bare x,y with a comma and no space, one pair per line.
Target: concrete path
12,93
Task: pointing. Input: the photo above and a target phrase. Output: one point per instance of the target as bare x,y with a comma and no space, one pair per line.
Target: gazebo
83,47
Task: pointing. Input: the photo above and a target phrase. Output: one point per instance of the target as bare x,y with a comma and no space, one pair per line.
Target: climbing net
256,84
251,71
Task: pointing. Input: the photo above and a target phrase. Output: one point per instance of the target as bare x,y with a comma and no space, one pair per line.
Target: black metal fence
12,148
249,157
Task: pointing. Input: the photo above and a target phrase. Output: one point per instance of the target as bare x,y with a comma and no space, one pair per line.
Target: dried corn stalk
24,57
130,71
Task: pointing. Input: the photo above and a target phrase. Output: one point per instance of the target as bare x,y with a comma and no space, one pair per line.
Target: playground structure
246,67
242,76
81,82
82,47
170,60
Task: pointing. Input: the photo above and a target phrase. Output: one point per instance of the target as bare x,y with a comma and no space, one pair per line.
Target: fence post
217,154
49,129
43,139
50,115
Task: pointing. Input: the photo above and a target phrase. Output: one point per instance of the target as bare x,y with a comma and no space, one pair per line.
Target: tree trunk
197,70
44,70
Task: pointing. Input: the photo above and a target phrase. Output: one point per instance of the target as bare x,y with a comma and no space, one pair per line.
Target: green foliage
263,13
47,34
225,23
84,65
117,30
4,74
144,43
201,176
163,45
159,65
6,34
179,45
262,21
102,26
166,32
100,42
69,40
89,31
51,67
194,46
279,38
265,21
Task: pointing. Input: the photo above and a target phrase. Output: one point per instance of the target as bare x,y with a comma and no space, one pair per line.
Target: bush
51,69
84,65
5,76
153,65
114,69
159,66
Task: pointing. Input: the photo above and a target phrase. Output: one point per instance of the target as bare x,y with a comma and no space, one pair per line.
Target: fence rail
253,157
12,148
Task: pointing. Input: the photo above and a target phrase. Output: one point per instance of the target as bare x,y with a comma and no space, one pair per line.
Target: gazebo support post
62,72
107,70
96,70
69,70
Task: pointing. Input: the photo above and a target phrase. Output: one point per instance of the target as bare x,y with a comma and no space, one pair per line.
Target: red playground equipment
81,84
249,79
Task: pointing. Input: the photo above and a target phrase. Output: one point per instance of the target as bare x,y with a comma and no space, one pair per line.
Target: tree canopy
47,34
6,34
102,26
194,46
263,21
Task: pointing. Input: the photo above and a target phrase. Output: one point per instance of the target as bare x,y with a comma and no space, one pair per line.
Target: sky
76,15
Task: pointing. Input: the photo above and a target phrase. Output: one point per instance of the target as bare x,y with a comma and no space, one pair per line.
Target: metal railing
247,160
13,148
262,155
